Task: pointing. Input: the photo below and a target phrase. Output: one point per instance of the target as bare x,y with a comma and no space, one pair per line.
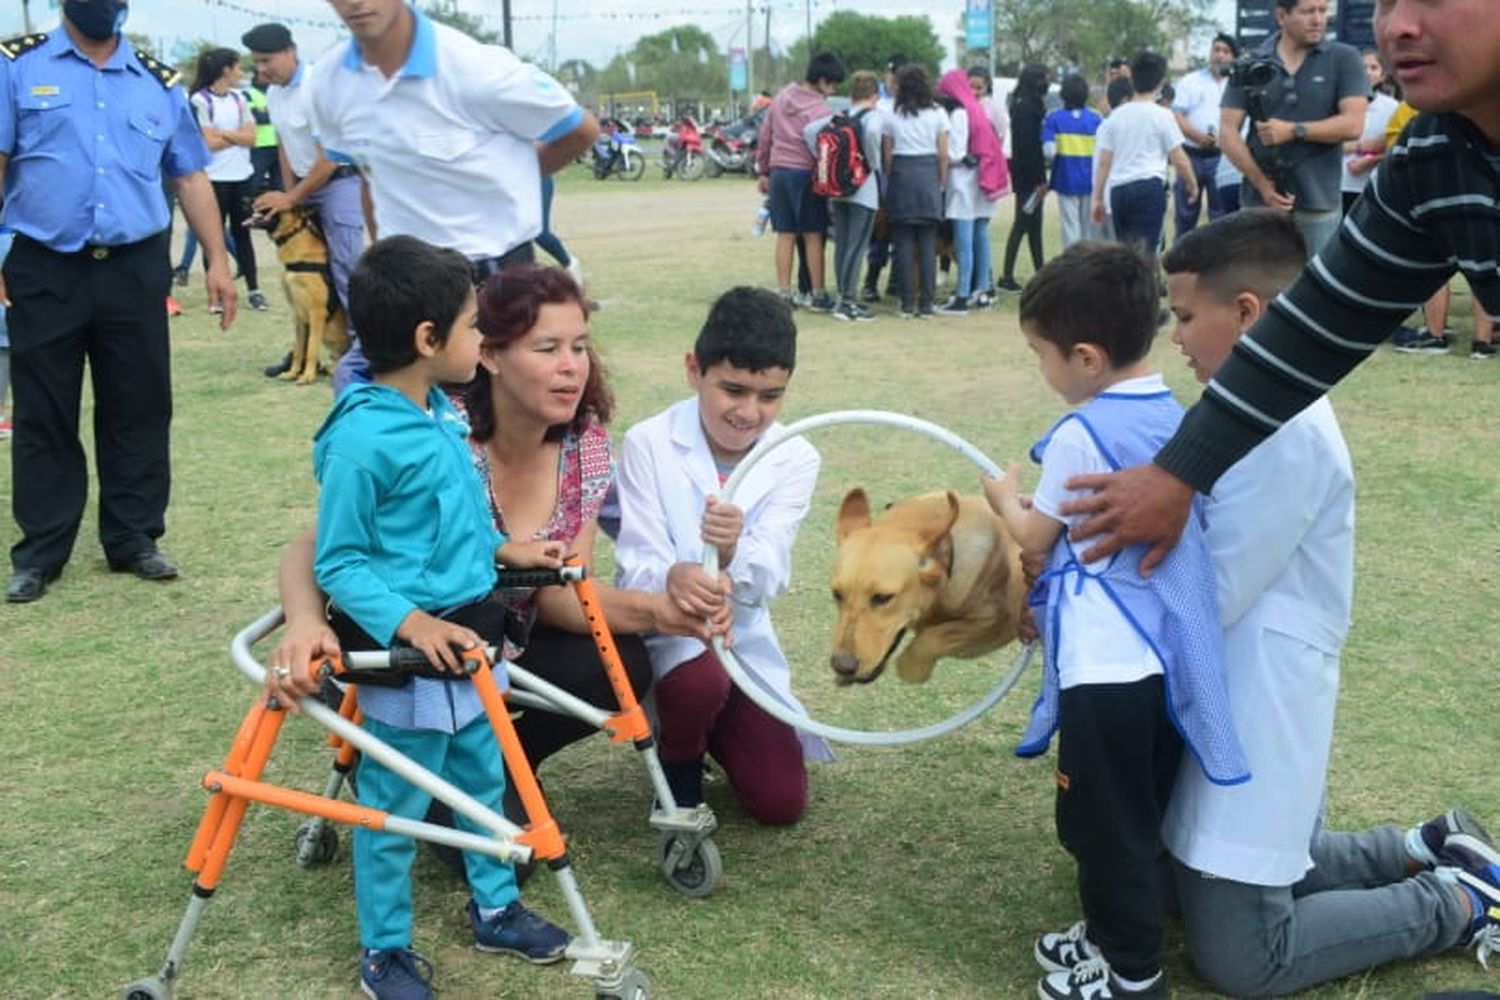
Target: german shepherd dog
321,334
939,568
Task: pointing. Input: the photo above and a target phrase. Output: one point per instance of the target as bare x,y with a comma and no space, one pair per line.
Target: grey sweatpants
1354,910
852,226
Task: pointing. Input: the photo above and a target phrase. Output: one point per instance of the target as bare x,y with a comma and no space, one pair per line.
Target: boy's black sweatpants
1117,758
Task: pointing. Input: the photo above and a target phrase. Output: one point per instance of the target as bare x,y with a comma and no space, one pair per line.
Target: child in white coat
672,468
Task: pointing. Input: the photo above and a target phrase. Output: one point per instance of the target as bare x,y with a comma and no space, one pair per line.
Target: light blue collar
421,61
296,79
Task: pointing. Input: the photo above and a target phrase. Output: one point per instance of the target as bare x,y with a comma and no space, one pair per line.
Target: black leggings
571,661
234,208
1029,226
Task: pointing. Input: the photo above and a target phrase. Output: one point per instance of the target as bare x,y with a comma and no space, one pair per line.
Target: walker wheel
692,866
633,986
317,844
147,989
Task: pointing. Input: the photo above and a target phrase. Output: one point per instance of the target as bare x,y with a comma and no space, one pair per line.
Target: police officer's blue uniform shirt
88,145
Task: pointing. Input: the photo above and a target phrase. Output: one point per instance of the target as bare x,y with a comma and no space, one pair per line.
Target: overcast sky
585,29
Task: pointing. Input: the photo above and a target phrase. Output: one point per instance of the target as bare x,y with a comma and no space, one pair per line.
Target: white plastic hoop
802,721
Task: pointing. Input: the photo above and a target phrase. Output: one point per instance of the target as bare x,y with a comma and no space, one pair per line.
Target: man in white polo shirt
1196,108
309,177
450,135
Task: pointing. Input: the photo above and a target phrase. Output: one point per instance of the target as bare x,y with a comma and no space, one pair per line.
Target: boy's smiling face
1207,324
736,405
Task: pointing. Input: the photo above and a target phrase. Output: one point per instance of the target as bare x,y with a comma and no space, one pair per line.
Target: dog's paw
913,670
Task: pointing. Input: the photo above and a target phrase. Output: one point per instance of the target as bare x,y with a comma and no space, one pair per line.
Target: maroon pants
701,711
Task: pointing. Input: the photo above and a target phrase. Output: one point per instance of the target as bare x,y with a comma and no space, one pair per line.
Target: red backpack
840,166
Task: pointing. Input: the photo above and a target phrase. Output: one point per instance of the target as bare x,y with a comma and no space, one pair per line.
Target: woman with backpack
229,131
915,153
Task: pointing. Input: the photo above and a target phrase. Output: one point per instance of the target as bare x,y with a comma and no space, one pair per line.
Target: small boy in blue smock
406,550
1133,667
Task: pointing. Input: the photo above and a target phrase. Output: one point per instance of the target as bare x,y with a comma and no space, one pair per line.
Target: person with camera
1305,96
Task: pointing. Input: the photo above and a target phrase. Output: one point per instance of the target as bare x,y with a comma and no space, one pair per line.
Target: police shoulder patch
16,47
166,75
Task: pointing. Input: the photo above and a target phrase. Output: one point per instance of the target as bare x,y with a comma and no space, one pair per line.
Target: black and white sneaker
1482,350
1061,950
1427,343
1093,980
958,305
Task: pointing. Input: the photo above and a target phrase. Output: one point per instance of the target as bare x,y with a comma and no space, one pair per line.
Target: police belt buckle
99,253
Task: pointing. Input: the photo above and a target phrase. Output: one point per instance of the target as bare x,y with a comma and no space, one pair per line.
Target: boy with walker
672,468
1133,667
1273,903
406,550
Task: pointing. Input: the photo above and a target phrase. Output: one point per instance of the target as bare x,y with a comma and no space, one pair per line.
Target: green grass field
921,872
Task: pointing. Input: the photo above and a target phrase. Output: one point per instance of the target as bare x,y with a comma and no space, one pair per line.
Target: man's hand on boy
722,525
437,639
1141,505
531,554
288,676
695,592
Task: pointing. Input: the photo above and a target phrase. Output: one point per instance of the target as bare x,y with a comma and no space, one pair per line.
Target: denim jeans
971,242
1355,909
1139,209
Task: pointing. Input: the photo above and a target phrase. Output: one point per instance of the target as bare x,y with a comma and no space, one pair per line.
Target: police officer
88,127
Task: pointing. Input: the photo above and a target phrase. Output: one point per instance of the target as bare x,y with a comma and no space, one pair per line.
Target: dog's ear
937,560
854,513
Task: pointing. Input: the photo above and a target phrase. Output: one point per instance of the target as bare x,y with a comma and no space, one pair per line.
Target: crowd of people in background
1123,160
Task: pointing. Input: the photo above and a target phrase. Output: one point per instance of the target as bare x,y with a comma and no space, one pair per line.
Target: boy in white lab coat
1271,902
672,469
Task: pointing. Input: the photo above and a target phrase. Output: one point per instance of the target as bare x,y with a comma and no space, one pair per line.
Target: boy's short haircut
823,66
1118,91
1147,70
398,284
1258,250
863,85
1095,293
750,328
1074,91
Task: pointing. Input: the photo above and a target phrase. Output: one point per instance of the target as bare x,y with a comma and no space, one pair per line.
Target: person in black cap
308,176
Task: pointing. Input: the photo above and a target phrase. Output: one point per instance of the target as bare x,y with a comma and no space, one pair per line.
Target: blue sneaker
1480,878
395,974
517,931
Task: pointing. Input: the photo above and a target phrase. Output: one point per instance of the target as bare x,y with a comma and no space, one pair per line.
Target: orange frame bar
630,723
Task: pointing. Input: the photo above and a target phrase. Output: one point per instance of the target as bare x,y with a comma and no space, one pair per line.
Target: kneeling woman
536,410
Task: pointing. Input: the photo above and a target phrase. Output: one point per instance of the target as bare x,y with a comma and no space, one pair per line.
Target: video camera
1255,73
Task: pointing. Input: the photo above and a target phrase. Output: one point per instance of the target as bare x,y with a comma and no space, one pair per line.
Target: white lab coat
665,478
1281,532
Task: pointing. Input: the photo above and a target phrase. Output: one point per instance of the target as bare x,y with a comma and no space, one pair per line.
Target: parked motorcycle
727,155
615,153
682,153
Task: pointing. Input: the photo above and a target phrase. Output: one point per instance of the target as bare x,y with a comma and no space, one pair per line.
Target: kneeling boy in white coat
673,466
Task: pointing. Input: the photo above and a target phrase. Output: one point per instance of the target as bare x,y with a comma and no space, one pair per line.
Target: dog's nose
843,664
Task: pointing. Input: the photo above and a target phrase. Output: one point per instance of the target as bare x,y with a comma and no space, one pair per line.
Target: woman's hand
540,553
289,673
694,591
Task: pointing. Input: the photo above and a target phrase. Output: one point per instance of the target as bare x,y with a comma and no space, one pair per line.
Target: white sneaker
1061,950
575,268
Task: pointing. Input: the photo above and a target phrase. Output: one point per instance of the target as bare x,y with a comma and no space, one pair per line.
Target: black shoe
152,564
281,367
869,294
180,276
1008,285
27,585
